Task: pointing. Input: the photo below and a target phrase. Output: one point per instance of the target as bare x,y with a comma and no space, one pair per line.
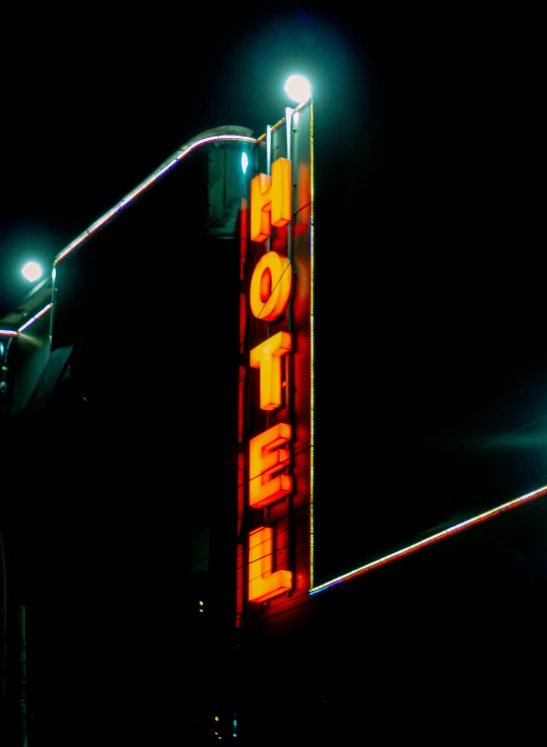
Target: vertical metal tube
53,300
4,662
268,169
289,360
288,129
5,389
288,126
312,341
268,150
22,675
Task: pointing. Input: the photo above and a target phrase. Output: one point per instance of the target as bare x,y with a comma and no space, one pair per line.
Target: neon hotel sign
269,454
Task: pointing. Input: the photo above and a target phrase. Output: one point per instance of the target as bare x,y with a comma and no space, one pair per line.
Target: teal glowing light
244,162
32,271
298,88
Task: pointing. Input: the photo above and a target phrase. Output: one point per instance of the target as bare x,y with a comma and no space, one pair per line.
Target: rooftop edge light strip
527,497
35,318
144,185
27,324
166,166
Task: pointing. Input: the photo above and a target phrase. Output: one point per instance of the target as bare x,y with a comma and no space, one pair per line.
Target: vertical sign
274,381
269,455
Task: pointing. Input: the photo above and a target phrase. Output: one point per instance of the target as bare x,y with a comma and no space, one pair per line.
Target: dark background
429,241
91,108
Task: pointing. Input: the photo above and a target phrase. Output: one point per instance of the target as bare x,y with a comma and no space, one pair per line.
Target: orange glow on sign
269,460
271,200
267,357
265,459
263,583
271,286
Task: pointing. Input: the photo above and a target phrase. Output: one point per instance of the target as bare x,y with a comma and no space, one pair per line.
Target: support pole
22,675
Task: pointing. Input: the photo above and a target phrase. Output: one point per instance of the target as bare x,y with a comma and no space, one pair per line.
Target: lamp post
4,597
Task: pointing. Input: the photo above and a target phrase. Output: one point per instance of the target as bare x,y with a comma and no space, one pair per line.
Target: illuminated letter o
271,285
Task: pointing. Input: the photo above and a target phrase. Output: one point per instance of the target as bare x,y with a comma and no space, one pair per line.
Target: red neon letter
271,200
265,459
267,357
263,583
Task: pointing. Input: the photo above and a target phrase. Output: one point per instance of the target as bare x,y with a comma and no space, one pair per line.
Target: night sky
429,242
86,115
89,113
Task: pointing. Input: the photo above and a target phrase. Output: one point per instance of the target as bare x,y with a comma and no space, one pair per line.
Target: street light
32,271
298,88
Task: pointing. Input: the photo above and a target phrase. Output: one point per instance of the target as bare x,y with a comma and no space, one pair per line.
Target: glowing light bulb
32,271
298,88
